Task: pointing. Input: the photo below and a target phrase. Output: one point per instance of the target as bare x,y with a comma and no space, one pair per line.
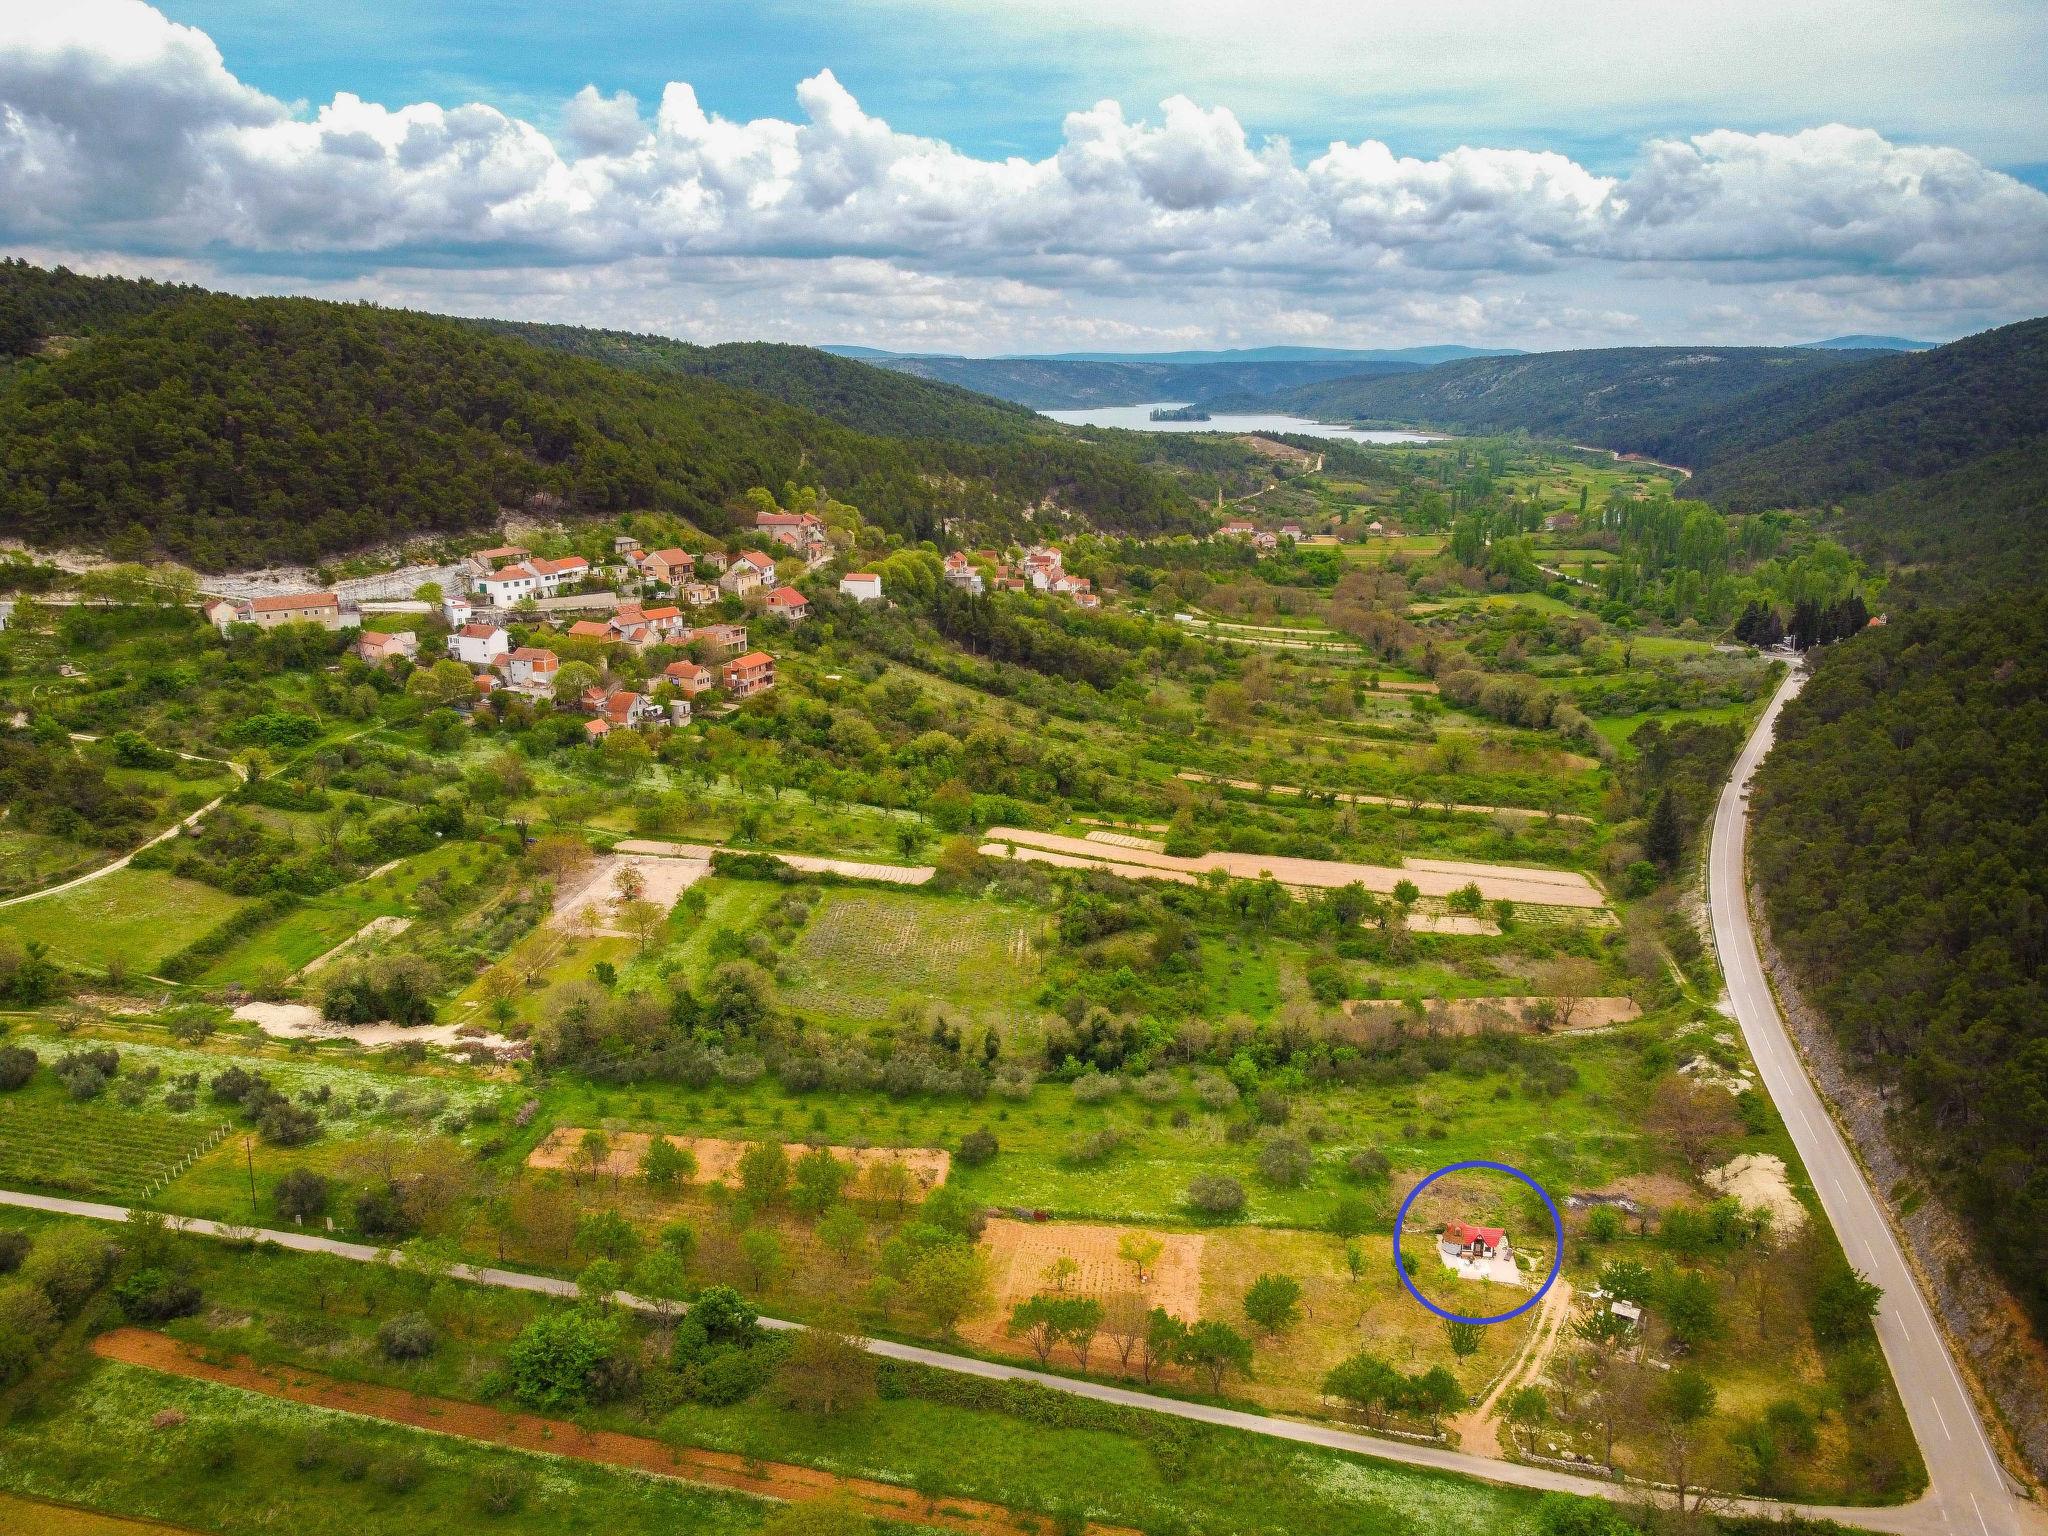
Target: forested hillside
873,400
40,302
235,431
1902,845
1635,399
1827,437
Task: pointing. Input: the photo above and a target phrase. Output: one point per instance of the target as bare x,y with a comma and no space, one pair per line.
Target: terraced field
863,952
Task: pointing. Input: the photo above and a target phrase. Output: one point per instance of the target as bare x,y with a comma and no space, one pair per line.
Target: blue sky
999,175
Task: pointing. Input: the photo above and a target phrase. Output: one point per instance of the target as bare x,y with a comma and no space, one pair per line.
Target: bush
1216,1091
500,1490
303,1194
561,1359
409,1336
17,1065
1369,1165
284,1124
1286,1162
399,1472
1096,1087
1215,1194
13,1249
977,1147
156,1295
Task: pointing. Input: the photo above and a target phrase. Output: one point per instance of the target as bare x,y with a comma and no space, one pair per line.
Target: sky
991,176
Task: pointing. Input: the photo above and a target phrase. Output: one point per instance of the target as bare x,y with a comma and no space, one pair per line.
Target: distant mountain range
1871,344
1421,356
1054,384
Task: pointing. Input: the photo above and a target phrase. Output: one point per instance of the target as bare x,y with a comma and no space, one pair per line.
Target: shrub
284,1124
977,1147
214,1447
409,1336
1095,1147
13,1249
67,1265
17,1065
156,1295
1368,1165
1285,1161
303,1194
399,1472
500,1490
560,1359
1215,1194
1096,1087
1216,1091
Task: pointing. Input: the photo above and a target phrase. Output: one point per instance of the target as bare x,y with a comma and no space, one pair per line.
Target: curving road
1968,1492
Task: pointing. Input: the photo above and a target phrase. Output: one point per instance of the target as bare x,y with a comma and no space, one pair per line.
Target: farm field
864,954
136,917
97,1150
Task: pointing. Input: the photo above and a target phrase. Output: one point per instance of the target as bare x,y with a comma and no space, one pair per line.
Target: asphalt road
1968,1491
1917,1519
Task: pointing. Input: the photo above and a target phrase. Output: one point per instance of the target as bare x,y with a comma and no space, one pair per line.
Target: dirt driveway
559,1437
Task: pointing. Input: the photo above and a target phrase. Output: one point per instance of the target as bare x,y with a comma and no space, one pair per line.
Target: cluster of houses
1039,569
1265,540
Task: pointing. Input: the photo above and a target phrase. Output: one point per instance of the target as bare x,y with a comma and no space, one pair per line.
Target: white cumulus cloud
121,132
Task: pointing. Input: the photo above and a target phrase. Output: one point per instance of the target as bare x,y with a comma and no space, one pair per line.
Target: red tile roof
295,600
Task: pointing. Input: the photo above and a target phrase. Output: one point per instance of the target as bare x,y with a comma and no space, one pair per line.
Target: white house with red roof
751,571
1473,1252
532,578
963,573
478,645
862,586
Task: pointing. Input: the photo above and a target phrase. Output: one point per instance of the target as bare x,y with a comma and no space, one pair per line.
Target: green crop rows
91,1150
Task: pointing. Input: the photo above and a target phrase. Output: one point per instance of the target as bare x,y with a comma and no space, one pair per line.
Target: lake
1138,418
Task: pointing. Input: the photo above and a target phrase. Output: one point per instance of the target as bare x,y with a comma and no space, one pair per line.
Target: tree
948,1283
889,1182
557,1359
1527,1410
1123,1319
661,1279
1215,1194
665,1165
1161,1344
1215,1349
764,1172
825,1372
1433,1394
1663,837
1463,1337
1366,1382
842,1230
1842,1305
1571,980
1681,1405
1036,1320
761,1253
1140,1250
1692,1118
643,920
1060,1273
1273,1303
1691,1310
593,1151
302,1194
601,1280
607,1234
444,685
817,1181
573,679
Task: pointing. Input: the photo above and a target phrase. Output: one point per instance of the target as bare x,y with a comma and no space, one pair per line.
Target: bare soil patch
1021,1253
1378,1017
44,1518
1758,1180
558,1437
594,903
718,1159
1432,877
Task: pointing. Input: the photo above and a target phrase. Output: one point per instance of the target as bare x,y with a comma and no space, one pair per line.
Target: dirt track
558,1437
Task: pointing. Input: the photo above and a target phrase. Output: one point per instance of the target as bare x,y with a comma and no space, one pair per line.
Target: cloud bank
125,134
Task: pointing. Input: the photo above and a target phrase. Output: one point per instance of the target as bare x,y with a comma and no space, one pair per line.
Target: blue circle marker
1557,1252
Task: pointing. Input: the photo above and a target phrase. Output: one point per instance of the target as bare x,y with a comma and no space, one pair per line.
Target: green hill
1634,399
233,431
1902,417
873,400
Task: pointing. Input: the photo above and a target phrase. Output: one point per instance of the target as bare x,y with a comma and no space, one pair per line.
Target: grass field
865,952
137,916
29,860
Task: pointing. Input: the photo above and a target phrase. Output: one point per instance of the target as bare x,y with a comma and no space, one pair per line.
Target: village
685,613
